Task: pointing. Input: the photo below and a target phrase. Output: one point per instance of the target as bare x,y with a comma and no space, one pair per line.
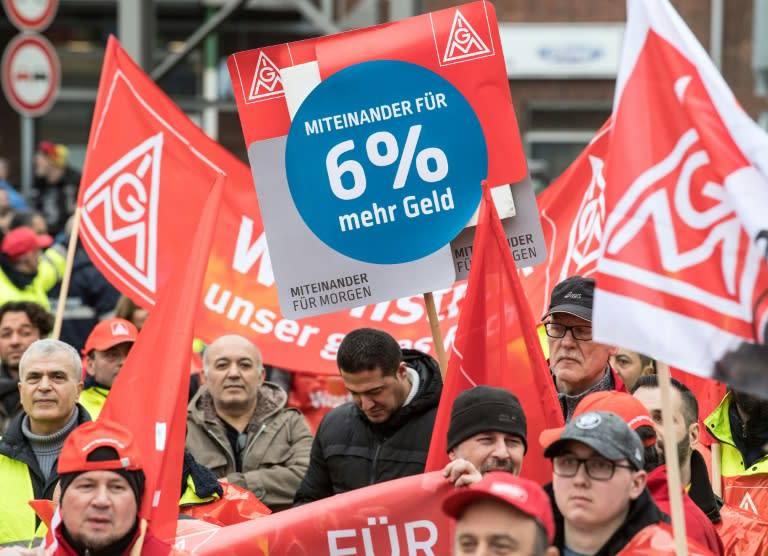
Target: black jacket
350,452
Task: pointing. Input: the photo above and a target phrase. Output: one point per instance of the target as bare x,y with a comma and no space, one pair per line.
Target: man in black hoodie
385,431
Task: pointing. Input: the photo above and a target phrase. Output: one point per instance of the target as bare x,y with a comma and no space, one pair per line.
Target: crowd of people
608,493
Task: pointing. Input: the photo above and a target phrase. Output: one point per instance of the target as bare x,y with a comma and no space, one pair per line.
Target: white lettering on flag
125,197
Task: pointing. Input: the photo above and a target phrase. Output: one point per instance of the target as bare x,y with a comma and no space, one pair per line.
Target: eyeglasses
582,333
599,469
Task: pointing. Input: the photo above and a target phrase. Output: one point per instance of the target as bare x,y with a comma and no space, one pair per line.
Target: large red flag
572,213
150,394
496,344
682,266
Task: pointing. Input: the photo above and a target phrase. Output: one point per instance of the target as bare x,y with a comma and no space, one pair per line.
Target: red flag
682,265
572,213
150,394
496,344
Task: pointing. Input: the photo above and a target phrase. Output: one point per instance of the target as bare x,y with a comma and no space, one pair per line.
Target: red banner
397,517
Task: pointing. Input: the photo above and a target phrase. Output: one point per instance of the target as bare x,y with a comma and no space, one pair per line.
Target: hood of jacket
270,398
427,398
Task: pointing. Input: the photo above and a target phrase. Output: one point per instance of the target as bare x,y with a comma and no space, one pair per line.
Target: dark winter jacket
350,452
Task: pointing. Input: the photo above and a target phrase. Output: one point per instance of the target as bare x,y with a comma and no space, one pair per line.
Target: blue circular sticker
384,161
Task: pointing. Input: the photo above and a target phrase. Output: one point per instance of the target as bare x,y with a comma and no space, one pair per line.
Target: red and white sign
31,15
31,74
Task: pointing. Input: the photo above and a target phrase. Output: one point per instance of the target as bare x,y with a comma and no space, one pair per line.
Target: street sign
31,74
31,15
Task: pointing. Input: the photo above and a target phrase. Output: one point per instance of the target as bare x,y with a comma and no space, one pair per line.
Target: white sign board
31,74
556,51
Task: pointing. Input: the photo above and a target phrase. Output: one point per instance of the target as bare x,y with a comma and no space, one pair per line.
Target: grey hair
204,354
50,347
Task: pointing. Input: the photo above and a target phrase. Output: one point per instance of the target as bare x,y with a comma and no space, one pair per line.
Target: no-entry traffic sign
31,15
31,74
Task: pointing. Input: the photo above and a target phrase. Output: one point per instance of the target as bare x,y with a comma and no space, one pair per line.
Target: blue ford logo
571,53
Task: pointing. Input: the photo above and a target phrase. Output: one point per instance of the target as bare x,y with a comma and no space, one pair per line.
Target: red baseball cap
22,240
523,494
626,406
110,332
89,436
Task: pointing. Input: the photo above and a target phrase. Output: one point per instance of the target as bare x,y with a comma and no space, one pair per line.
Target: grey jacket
277,445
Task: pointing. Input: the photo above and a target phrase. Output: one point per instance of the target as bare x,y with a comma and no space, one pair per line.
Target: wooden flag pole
673,465
437,335
717,475
67,275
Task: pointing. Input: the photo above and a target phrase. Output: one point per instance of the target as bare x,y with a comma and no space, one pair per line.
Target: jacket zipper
372,478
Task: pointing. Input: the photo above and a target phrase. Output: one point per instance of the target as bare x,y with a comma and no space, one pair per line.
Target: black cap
574,296
486,409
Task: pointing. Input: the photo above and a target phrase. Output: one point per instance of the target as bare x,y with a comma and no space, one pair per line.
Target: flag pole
717,475
67,275
670,456
437,335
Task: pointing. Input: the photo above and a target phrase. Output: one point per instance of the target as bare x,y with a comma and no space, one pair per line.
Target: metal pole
211,82
135,29
196,38
27,154
716,33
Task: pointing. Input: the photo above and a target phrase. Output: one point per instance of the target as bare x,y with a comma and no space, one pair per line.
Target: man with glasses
239,427
599,486
579,364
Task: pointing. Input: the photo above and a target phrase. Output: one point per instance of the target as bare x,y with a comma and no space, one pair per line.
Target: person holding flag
487,432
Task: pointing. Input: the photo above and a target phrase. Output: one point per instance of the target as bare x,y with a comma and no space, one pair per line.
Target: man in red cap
501,514
20,276
102,483
105,349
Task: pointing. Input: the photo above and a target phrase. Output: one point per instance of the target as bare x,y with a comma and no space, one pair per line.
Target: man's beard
496,464
683,451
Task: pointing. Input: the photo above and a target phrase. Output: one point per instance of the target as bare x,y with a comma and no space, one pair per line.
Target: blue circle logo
384,161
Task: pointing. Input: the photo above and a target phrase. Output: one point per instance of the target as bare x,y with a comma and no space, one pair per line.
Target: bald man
239,427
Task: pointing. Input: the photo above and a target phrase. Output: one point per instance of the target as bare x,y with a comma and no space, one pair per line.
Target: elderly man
487,432
239,427
49,384
578,363
385,431
105,349
501,514
21,323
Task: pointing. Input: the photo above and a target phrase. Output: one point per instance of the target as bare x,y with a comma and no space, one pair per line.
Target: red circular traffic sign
31,15
31,74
